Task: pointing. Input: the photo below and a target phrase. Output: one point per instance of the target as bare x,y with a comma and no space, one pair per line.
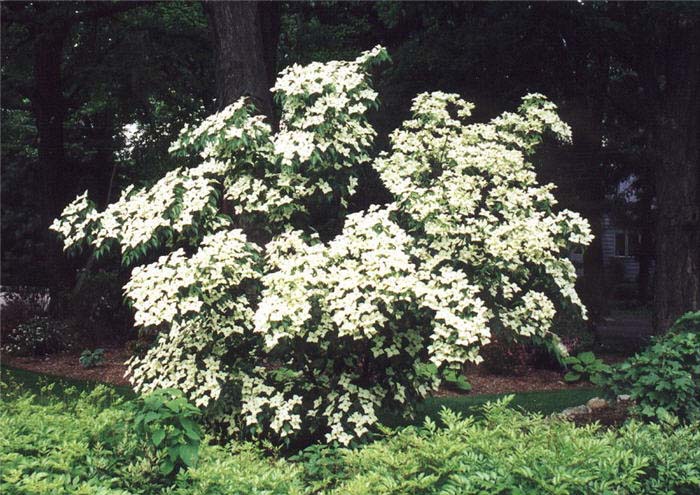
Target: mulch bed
113,369
529,380
66,365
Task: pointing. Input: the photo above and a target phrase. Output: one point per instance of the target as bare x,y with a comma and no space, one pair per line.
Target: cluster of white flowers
77,218
294,335
184,203
202,302
472,198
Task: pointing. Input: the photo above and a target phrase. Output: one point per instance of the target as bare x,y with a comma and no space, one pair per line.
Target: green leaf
587,357
174,452
188,424
158,436
150,416
167,467
572,377
463,384
189,453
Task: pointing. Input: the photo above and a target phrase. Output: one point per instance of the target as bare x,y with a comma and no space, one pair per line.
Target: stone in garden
597,403
624,398
572,412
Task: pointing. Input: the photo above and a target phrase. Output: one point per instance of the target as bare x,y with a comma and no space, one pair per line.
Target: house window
621,244
626,243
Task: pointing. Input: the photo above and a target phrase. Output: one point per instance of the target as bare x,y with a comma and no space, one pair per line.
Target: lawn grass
37,383
542,402
546,402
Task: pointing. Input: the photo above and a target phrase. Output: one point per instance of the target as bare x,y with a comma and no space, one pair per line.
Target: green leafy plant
455,379
507,452
168,422
585,366
90,359
323,466
63,442
664,379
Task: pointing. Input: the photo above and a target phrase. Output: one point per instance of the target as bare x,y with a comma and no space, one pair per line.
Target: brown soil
530,379
67,365
113,369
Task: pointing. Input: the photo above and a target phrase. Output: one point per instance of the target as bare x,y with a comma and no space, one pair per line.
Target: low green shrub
90,359
664,379
508,452
89,444
689,322
169,423
585,366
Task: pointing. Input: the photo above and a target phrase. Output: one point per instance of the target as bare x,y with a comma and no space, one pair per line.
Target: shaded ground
67,365
113,369
533,379
621,333
544,402
624,332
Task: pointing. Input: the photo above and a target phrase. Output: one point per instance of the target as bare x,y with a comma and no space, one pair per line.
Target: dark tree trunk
646,247
49,110
587,139
245,38
677,142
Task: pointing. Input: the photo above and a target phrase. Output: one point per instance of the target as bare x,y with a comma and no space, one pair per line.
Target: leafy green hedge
509,453
89,446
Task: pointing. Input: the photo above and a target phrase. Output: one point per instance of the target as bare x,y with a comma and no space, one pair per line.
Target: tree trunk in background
49,109
677,141
586,124
245,38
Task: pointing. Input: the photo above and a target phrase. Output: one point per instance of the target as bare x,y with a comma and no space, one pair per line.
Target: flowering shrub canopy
277,332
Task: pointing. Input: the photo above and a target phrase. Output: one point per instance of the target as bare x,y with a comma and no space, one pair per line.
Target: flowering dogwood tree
278,332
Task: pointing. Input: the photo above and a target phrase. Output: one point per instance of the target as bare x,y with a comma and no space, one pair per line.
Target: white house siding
629,264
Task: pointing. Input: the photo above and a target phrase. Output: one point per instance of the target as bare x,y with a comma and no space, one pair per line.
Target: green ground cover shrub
91,359
584,366
508,452
87,443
